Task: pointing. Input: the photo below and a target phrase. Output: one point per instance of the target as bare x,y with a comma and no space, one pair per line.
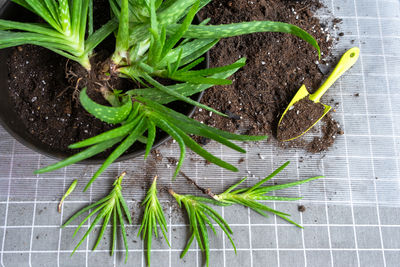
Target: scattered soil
277,64
330,129
172,161
301,208
157,155
301,116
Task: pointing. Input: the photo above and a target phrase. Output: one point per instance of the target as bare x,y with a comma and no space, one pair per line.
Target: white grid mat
352,216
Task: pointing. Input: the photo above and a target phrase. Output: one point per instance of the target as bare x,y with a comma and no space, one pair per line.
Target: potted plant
155,41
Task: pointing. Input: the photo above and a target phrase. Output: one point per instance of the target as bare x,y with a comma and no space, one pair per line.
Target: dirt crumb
301,208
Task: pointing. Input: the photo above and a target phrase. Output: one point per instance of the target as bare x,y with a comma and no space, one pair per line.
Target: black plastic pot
10,120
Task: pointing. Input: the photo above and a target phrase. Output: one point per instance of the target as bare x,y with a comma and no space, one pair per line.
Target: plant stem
69,191
85,62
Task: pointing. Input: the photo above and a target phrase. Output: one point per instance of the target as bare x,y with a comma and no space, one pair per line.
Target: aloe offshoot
111,208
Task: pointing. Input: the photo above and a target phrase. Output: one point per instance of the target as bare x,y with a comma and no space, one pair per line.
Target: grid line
394,143
34,213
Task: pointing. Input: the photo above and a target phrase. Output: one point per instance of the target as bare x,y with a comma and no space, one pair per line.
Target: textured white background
352,216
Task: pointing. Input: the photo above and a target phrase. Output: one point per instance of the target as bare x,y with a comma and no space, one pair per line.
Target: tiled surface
352,216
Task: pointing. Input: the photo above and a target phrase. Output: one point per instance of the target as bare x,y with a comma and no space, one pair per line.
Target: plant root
202,189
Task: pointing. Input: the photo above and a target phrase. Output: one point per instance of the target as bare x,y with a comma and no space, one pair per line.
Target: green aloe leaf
34,28
44,12
166,127
65,16
85,154
193,124
122,41
185,89
107,114
125,145
98,36
176,37
235,29
117,132
151,136
167,90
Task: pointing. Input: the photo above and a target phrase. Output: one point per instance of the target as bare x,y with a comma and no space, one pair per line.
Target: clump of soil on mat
301,116
277,65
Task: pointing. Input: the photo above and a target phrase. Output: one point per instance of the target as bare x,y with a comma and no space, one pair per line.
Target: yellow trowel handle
346,62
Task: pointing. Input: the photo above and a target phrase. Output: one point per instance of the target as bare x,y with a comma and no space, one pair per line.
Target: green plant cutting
154,39
251,197
112,207
153,216
201,215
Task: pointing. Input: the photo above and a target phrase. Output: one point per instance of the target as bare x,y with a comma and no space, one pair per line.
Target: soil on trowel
277,66
299,118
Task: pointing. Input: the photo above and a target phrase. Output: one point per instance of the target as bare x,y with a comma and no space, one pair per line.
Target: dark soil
277,65
301,208
330,130
45,89
301,116
46,101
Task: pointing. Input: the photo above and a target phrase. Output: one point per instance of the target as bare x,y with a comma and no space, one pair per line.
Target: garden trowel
345,63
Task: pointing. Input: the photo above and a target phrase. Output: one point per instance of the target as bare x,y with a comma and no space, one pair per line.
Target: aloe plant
157,39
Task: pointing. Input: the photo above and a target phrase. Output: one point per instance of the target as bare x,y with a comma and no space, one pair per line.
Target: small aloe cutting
251,197
157,39
112,207
200,216
153,216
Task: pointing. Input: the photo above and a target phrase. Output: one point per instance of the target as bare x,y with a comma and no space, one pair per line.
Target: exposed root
63,91
75,94
202,189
